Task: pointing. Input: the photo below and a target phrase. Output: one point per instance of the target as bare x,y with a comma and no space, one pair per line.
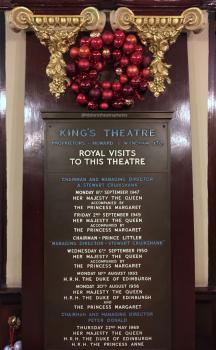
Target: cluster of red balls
131,63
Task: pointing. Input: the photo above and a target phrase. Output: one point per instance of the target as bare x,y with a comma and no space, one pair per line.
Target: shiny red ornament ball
146,73
96,55
124,61
84,64
146,61
104,106
128,48
71,68
138,48
81,99
119,34
116,86
132,71
96,43
107,95
98,66
131,38
106,85
75,87
95,93
135,81
85,40
92,105
93,74
136,58
127,90
123,78
116,55
143,85
118,42
74,52
84,51
118,104
108,38
85,85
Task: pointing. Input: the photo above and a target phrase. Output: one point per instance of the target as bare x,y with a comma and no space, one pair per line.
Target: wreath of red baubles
129,60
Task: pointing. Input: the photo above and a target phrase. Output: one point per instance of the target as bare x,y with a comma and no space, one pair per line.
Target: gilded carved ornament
59,32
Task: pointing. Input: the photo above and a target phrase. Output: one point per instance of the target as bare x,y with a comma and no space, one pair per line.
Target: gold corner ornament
158,32
58,33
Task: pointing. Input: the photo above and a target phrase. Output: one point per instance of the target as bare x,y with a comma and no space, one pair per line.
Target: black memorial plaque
107,234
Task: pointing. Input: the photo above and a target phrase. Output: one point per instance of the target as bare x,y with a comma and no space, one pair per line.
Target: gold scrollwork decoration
58,33
158,32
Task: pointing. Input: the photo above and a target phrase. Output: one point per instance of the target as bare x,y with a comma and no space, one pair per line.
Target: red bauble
138,48
119,34
107,95
93,74
136,58
128,48
81,99
85,40
75,87
146,61
127,90
104,106
85,85
96,43
84,51
98,66
143,85
74,52
92,105
123,78
118,42
131,38
124,62
132,71
71,68
118,104
116,86
95,93
116,55
96,55
106,85
135,82
146,73
107,38
84,64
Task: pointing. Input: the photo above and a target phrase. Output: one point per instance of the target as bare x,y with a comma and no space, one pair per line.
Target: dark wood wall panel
153,5
176,99
2,154
10,305
205,318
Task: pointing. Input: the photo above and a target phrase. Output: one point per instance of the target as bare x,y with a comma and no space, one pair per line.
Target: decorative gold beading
159,32
58,33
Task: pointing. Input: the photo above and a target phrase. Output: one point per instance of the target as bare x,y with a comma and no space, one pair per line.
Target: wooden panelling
2,154
205,319
10,304
138,5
